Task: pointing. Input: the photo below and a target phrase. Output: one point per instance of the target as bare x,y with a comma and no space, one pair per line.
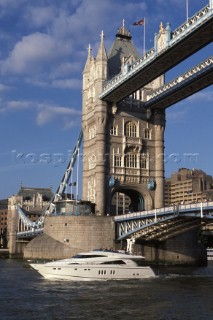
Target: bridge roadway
161,224
189,38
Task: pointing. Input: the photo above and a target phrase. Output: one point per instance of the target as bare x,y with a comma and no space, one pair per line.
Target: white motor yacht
96,265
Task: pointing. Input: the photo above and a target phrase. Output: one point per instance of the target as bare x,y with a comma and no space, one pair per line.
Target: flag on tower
139,23
142,22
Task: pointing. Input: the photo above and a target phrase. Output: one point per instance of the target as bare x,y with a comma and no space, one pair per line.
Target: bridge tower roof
122,49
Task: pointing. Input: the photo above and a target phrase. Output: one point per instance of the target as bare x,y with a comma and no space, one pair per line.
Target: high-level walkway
192,81
187,39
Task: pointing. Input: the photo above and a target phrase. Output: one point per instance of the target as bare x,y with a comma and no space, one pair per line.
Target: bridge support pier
184,249
12,228
15,248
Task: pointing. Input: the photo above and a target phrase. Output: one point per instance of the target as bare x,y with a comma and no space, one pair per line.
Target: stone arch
141,198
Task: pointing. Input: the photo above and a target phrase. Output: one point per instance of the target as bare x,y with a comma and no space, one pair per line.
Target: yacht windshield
85,256
114,262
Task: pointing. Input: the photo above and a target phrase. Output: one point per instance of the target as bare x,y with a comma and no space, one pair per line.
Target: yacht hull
91,272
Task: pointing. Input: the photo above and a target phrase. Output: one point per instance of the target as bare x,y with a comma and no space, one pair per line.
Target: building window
117,160
131,160
91,190
147,134
92,132
92,161
114,130
143,161
130,129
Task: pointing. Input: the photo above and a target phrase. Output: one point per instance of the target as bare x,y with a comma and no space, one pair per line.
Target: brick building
3,222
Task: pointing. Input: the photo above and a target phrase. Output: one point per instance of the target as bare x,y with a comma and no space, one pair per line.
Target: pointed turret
87,69
88,62
101,62
102,55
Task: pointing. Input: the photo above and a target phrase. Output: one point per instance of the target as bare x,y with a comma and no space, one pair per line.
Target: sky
43,50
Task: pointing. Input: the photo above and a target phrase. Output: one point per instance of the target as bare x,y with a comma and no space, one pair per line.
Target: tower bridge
123,123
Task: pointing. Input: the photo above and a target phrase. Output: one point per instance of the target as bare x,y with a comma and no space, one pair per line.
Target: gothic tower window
143,161
117,160
114,130
130,129
91,190
92,161
147,133
131,160
92,132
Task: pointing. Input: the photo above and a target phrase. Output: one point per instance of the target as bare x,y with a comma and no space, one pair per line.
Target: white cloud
66,68
48,113
32,52
7,3
67,84
69,124
67,28
3,87
45,112
40,16
176,116
15,105
85,23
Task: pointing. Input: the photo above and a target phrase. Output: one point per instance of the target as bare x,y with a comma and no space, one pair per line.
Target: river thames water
176,294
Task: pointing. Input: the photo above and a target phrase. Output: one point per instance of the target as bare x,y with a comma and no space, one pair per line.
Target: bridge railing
30,233
190,24
172,209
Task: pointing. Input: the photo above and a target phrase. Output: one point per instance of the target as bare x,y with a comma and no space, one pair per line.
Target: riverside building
188,186
3,222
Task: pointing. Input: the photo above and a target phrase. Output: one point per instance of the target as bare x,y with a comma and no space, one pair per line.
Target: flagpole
187,10
144,36
142,23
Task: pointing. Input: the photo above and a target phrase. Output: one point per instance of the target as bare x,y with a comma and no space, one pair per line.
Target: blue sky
43,49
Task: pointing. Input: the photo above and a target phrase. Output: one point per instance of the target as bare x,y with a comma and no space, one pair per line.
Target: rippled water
177,293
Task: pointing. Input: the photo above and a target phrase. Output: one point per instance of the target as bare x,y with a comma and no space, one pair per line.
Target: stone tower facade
123,142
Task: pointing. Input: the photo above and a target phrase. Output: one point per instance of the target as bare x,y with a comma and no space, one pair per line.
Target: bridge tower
123,142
